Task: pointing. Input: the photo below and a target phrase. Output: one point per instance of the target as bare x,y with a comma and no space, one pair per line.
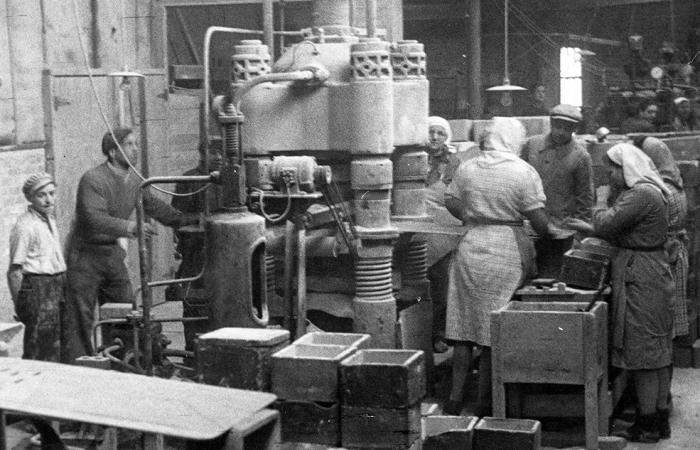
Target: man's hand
148,230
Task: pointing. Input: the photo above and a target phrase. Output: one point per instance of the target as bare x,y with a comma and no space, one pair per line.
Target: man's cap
35,182
567,113
678,100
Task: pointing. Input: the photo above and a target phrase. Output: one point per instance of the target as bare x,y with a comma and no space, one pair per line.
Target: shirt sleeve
19,244
92,205
583,179
627,210
532,193
161,211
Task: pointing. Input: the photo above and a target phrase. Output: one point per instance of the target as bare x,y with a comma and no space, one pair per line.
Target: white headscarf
437,121
504,134
636,166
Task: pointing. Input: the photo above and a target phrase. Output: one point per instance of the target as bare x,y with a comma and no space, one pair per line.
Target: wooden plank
63,47
150,405
110,30
26,60
7,103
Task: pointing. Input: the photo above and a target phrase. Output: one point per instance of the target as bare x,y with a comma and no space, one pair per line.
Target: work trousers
439,276
38,307
97,274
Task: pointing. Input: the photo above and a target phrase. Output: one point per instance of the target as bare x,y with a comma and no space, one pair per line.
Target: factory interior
302,229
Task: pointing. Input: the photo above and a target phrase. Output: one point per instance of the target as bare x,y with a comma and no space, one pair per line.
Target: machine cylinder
235,273
410,173
374,304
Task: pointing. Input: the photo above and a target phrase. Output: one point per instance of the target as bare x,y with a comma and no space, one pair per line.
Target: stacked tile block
381,398
305,379
492,433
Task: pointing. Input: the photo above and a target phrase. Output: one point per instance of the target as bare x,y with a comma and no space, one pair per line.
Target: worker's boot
644,430
662,423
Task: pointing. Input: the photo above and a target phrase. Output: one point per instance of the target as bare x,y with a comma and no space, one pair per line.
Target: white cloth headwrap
437,121
636,166
504,134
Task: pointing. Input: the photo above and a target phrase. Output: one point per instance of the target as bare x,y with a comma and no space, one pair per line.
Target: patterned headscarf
504,134
437,121
636,166
663,160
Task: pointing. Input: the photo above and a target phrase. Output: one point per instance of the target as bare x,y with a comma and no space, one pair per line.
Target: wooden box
308,372
238,357
549,342
383,378
584,269
310,422
513,434
447,432
368,427
356,340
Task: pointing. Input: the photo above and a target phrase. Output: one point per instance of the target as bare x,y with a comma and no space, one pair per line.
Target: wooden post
474,52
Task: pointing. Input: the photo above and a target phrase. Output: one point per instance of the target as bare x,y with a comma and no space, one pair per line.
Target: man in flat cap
36,276
566,171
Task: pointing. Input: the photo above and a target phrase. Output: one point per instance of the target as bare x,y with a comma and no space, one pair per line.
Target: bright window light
570,73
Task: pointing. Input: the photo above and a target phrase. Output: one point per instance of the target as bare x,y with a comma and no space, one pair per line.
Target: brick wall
15,167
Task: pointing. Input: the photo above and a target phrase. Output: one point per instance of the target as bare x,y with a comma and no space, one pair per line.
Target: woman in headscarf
642,315
443,160
676,242
491,194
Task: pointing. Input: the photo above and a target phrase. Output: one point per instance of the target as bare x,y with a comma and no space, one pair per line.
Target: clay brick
357,340
308,372
367,427
238,357
445,432
310,422
493,433
383,378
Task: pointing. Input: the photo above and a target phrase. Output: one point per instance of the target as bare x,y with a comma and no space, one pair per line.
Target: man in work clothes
106,197
36,276
566,171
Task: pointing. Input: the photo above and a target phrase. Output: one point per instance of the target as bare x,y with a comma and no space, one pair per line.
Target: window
570,73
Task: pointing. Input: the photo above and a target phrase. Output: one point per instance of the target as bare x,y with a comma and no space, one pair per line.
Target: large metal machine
324,168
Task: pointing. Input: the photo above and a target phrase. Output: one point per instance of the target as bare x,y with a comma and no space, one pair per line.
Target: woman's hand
557,233
578,225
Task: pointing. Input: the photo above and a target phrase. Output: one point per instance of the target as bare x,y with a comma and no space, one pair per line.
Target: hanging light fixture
506,88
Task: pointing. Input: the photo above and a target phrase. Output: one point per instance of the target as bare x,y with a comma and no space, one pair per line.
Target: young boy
36,276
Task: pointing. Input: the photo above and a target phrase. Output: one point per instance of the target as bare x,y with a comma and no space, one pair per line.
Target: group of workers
644,117
546,183
500,190
55,296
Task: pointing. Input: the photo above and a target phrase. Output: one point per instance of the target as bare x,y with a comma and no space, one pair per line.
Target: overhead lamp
506,88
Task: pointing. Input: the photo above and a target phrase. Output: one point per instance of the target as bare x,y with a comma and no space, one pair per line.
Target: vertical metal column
474,52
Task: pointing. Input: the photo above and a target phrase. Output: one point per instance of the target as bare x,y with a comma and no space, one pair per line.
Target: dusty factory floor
685,420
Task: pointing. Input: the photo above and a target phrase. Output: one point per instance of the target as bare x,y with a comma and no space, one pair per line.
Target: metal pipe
145,269
177,280
301,280
297,75
288,275
371,14
474,52
268,26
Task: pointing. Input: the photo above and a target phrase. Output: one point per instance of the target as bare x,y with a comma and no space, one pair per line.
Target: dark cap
567,113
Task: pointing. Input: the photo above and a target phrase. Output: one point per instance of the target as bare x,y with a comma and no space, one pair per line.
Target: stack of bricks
381,399
686,349
305,378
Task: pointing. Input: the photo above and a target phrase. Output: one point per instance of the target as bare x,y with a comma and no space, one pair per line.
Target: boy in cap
36,276
567,178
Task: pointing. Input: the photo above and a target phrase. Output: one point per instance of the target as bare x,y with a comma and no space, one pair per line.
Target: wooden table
151,405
